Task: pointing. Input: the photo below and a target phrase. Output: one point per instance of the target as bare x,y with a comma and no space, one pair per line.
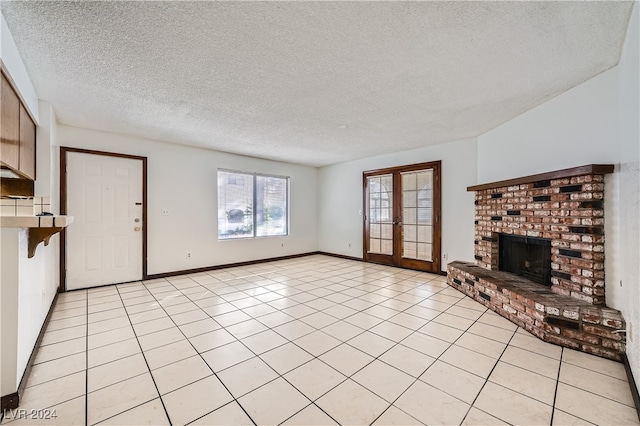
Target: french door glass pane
417,215
380,214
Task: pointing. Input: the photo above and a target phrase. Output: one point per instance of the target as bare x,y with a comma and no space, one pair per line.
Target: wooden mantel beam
590,169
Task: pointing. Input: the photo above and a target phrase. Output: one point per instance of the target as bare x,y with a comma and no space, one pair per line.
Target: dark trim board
359,259
228,265
341,256
63,206
590,169
11,401
254,262
101,286
232,265
632,384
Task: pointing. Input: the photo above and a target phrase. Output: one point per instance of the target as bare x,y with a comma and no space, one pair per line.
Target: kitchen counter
40,228
35,221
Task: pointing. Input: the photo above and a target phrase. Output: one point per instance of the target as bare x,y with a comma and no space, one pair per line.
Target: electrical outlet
445,256
349,245
188,255
164,212
282,245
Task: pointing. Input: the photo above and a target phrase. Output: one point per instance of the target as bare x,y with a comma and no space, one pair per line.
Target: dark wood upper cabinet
10,145
27,145
17,133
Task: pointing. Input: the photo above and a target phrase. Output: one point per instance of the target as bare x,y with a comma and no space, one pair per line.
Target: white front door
104,243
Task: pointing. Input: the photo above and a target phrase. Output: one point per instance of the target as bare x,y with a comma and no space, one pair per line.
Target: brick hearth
566,207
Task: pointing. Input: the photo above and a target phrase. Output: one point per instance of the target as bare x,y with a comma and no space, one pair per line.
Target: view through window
252,205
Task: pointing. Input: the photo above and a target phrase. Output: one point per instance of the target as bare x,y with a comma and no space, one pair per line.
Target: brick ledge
554,318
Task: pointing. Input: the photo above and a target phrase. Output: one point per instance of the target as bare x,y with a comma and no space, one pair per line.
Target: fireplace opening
527,257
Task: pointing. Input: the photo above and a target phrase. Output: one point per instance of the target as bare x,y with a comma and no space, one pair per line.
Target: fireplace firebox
527,257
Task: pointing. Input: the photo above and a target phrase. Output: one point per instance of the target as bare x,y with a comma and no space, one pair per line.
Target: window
252,205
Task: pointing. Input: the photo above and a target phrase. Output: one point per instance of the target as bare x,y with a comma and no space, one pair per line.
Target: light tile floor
309,341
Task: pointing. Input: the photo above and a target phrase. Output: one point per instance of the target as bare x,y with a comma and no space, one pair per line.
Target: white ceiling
280,80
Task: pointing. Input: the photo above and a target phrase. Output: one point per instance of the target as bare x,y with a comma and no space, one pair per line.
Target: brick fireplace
549,276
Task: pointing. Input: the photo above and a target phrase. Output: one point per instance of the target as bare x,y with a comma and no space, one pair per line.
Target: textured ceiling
282,80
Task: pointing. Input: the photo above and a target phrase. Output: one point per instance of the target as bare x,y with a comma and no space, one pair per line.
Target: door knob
136,220
137,229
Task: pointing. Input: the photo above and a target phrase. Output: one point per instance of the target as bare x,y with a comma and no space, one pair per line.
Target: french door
402,216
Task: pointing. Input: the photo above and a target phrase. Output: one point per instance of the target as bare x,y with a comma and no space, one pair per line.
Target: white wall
28,285
596,122
340,198
9,255
28,288
39,278
575,128
45,135
629,203
183,180
40,275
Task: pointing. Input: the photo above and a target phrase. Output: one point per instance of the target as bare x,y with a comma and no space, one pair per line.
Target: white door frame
63,206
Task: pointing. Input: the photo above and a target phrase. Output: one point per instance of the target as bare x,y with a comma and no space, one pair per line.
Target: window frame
254,176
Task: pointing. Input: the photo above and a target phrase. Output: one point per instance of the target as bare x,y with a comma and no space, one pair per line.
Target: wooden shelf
590,169
38,235
41,228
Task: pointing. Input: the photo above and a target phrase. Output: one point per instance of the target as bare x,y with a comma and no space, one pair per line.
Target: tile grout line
555,393
86,366
317,357
202,378
342,342
303,283
341,319
148,369
234,305
292,342
288,341
436,360
487,381
3,413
